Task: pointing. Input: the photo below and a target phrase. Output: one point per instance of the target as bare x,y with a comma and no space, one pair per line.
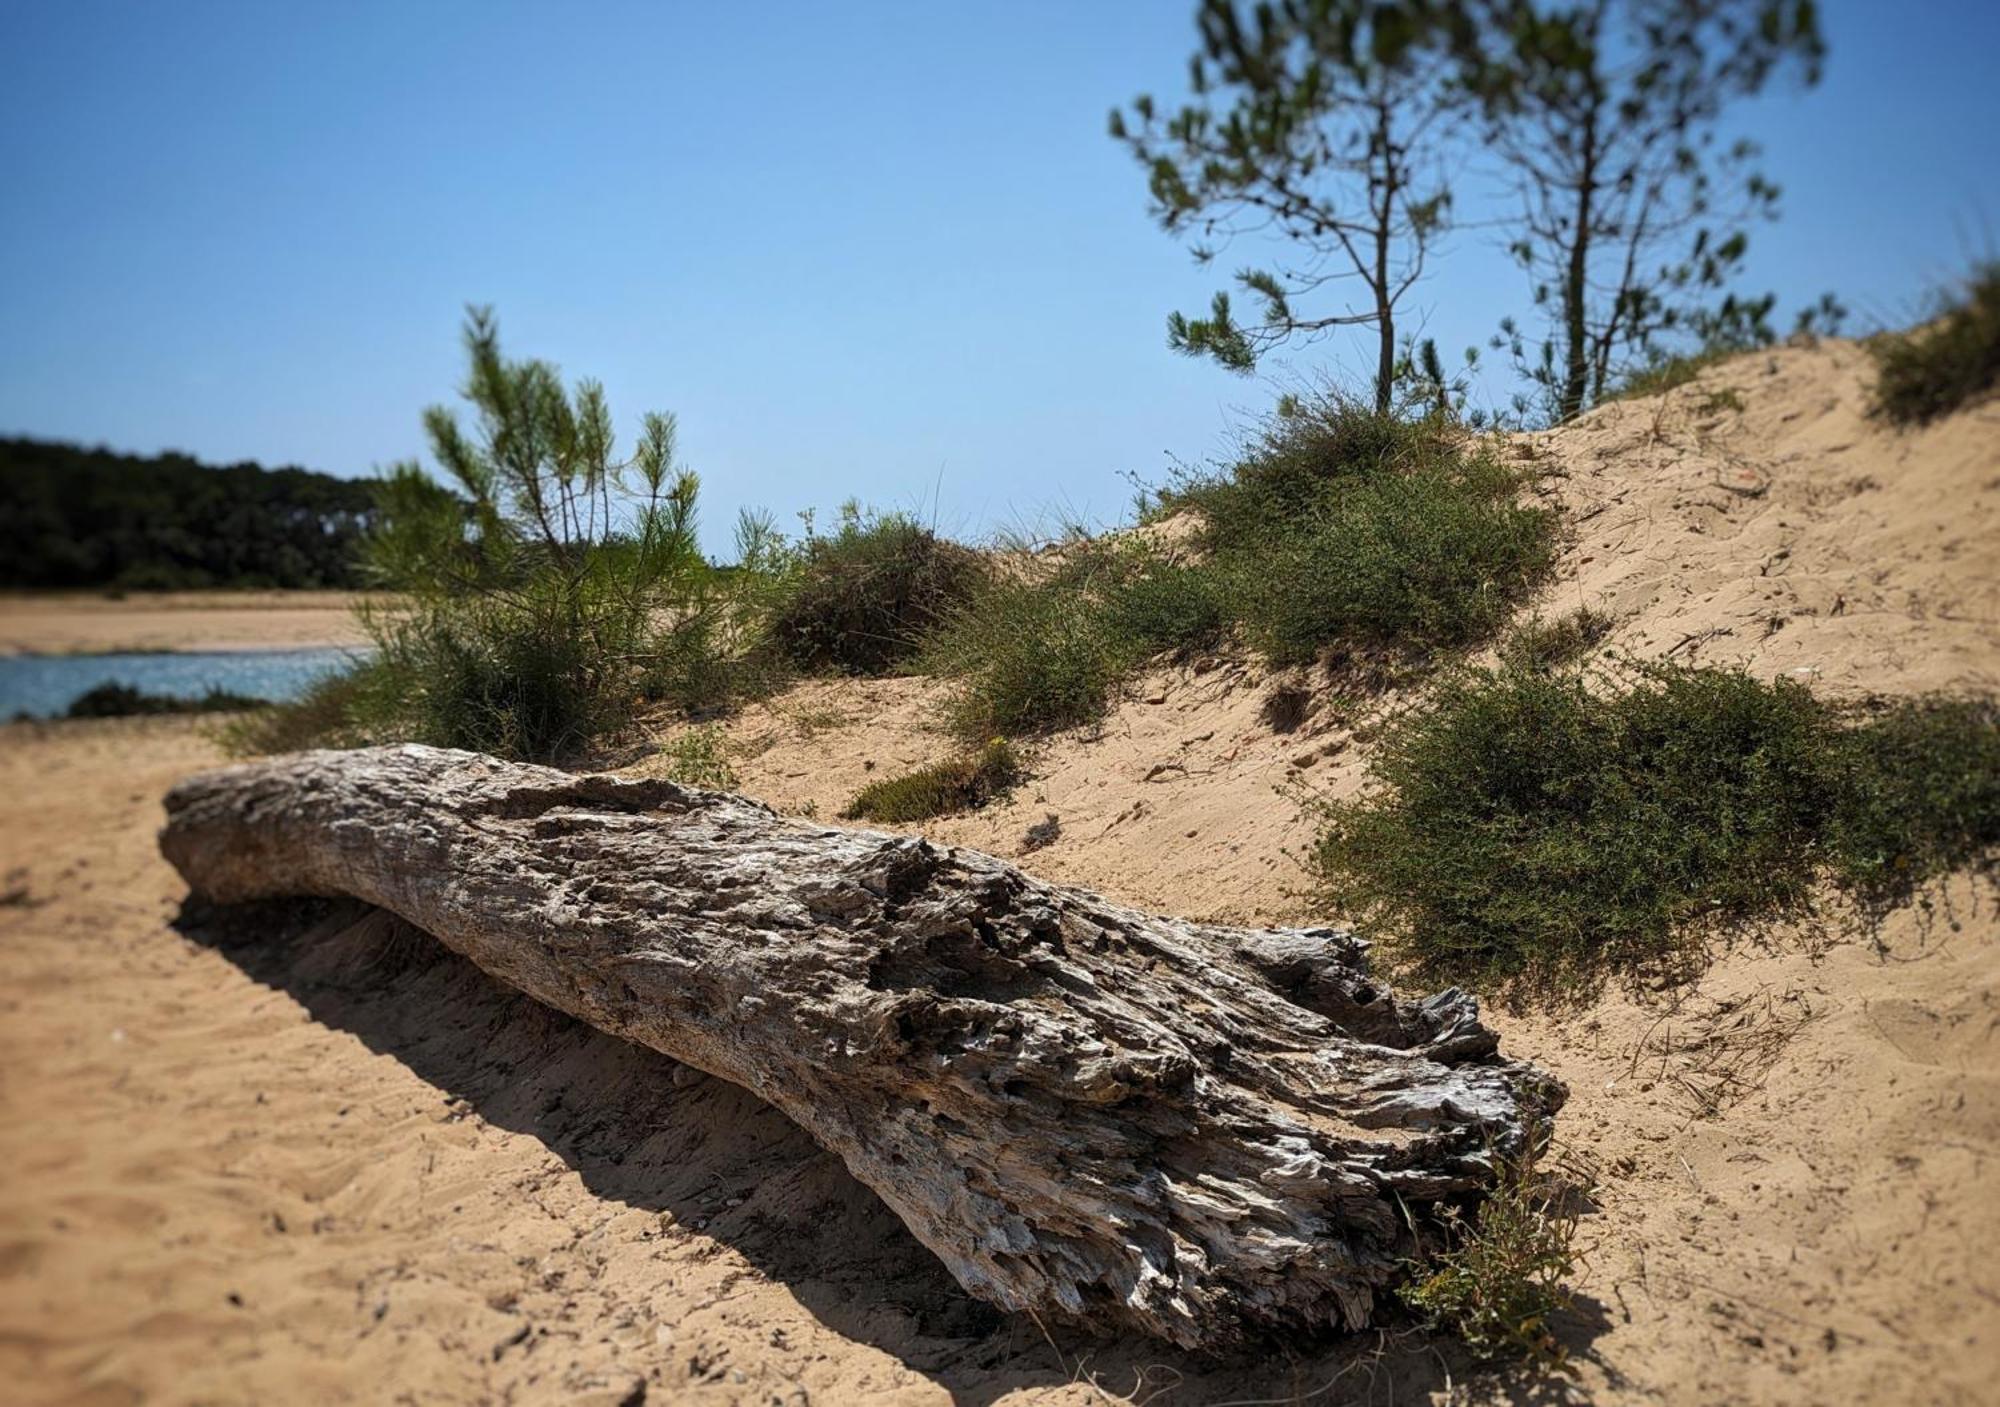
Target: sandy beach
300,1155
64,623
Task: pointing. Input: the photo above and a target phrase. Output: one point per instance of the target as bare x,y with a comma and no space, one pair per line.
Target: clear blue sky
865,248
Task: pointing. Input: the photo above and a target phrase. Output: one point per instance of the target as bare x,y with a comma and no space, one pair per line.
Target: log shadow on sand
642,1130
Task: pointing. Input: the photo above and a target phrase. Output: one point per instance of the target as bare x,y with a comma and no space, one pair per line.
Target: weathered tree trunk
1102,1116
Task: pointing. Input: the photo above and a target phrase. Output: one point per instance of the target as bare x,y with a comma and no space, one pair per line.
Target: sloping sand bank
229,1174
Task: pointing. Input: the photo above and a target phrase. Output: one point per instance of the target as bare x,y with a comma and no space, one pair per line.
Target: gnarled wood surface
1100,1115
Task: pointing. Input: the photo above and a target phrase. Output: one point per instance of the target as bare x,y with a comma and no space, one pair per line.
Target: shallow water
44,686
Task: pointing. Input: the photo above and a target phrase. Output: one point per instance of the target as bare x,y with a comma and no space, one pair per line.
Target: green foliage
1340,527
1028,655
1545,829
1918,788
1044,648
74,517
858,601
1500,1278
1550,644
532,615
962,784
1633,213
347,709
1156,602
700,757
1934,370
1324,123
1344,526
114,700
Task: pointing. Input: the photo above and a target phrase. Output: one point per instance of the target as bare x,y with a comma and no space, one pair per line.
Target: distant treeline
76,517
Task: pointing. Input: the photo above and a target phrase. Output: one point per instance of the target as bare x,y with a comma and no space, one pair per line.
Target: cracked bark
1125,1121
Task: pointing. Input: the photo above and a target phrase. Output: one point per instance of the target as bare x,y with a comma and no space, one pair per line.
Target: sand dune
303,1158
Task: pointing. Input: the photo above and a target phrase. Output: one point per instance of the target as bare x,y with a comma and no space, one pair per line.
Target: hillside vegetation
1743,712
74,517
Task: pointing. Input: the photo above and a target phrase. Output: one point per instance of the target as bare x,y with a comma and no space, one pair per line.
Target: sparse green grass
1670,373
859,601
1035,653
334,711
1337,530
962,784
699,756
1934,370
1500,1277
1544,830
1551,644
811,722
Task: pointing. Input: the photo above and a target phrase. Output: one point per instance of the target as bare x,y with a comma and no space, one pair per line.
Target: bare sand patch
65,623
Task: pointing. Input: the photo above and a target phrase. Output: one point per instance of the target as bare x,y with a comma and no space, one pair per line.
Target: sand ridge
316,1160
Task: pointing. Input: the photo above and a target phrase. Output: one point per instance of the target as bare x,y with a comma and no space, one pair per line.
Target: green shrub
1338,529
1343,527
1918,794
1044,647
1433,559
1310,446
1551,644
962,784
859,601
700,757
1027,656
540,605
1501,1277
1934,370
114,700
1546,829
1159,603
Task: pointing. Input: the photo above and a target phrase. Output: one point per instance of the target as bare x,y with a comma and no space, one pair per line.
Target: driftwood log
1102,1116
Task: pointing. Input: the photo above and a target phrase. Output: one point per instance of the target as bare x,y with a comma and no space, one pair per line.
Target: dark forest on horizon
83,518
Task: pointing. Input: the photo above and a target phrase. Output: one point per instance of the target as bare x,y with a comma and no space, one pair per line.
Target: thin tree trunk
1385,308
1576,288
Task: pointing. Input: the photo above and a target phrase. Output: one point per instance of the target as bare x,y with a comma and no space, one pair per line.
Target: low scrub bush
1935,369
115,700
961,784
1543,829
1551,644
1031,653
1343,527
1917,793
539,605
1501,1276
1339,529
858,601
699,756
1026,656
